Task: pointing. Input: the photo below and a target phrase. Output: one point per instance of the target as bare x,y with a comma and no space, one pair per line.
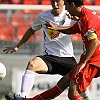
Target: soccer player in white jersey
58,55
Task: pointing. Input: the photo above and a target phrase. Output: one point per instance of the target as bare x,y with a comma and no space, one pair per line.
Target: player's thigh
60,65
37,65
85,76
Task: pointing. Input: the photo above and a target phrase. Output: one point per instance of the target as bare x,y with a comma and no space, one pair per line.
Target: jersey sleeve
75,27
37,24
90,31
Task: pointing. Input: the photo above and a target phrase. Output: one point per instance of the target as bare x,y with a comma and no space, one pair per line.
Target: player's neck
56,13
79,10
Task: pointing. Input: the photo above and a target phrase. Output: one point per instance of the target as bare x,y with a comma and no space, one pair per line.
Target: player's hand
79,67
50,25
10,49
73,17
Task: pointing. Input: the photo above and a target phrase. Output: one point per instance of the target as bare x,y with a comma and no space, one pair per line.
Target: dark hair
76,2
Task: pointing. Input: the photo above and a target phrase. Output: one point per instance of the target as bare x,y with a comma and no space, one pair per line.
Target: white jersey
56,43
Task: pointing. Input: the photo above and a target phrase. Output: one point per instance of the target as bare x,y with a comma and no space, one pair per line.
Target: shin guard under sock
27,83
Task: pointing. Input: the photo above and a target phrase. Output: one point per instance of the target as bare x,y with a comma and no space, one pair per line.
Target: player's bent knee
37,66
31,65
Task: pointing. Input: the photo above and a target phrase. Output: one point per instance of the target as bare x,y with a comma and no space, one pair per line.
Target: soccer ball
2,71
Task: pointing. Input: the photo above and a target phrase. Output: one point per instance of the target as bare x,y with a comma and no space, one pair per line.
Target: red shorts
85,76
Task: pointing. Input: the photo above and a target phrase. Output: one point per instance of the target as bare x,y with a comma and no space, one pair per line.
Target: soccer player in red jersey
88,67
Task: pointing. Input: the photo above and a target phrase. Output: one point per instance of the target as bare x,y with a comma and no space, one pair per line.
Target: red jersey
89,22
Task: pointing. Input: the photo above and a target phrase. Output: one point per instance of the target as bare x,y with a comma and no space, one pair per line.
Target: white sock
27,83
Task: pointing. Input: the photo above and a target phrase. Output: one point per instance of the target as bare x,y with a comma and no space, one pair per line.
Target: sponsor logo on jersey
53,34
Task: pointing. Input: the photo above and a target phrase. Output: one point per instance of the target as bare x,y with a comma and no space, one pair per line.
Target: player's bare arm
72,17
63,29
24,39
93,43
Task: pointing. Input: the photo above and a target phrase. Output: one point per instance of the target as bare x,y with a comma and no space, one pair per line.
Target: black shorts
58,65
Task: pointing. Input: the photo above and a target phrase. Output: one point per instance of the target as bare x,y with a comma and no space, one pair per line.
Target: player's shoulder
89,14
47,12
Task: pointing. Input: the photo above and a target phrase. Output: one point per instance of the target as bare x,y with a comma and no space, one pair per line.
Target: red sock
78,97
49,94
